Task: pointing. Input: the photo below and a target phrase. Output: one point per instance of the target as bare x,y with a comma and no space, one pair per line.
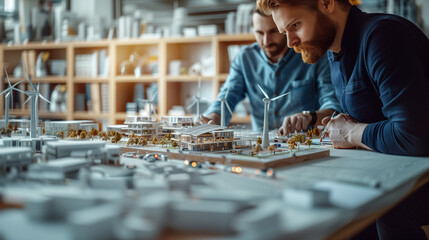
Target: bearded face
323,38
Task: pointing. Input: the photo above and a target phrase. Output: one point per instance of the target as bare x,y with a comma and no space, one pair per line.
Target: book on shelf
92,65
104,97
95,98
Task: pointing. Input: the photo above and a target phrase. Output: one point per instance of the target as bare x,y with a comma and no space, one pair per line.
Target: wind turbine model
34,96
151,110
197,100
9,96
223,102
267,101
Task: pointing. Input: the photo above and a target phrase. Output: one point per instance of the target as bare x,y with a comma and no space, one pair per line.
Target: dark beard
312,51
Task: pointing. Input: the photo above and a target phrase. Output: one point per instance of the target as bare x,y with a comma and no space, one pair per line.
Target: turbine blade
7,76
191,105
279,96
28,79
227,106
154,96
19,90
28,99
42,97
17,83
262,90
6,90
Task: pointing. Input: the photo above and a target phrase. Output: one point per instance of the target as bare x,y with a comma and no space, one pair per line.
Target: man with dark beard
380,72
277,70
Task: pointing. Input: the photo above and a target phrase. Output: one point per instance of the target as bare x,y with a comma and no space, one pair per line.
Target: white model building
56,150
57,170
205,137
52,128
15,157
174,123
146,127
121,128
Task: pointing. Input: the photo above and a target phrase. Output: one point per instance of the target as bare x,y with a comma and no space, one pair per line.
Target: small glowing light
257,172
186,162
233,169
270,173
194,164
156,155
238,169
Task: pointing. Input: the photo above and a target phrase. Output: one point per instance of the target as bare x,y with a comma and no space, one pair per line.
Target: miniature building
173,123
56,150
51,128
36,144
20,123
205,137
121,128
142,126
57,170
15,157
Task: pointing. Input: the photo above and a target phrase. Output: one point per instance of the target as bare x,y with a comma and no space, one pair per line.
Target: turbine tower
223,102
9,97
267,101
197,100
33,96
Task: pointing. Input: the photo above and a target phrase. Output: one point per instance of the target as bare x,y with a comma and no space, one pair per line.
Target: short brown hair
267,6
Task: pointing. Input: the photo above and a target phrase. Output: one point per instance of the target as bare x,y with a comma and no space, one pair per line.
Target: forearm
355,136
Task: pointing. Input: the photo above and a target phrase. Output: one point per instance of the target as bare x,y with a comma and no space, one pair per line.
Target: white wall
87,9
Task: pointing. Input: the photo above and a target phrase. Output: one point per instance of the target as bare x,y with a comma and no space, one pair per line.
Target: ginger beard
311,51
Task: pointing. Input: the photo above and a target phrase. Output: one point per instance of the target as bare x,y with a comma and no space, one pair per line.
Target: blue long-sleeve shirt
310,86
381,77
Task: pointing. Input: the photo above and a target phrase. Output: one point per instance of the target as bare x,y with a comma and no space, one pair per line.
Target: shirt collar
351,35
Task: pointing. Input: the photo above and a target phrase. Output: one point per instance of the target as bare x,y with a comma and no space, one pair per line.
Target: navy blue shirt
309,85
381,77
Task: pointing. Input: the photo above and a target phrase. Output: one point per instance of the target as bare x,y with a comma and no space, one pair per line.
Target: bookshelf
154,56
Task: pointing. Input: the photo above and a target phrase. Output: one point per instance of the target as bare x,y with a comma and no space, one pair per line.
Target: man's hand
212,118
344,131
296,122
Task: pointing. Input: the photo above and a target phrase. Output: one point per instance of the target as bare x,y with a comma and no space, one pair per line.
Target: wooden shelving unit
121,85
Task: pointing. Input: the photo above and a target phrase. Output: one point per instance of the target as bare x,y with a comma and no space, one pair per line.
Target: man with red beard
277,70
380,72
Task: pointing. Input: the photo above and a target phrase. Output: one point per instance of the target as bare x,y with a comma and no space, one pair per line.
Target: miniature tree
308,142
272,149
154,141
292,144
316,131
174,144
60,134
130,141
309,133
163,142
142,142
257,148
83,134
168,136
259,141
117,136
